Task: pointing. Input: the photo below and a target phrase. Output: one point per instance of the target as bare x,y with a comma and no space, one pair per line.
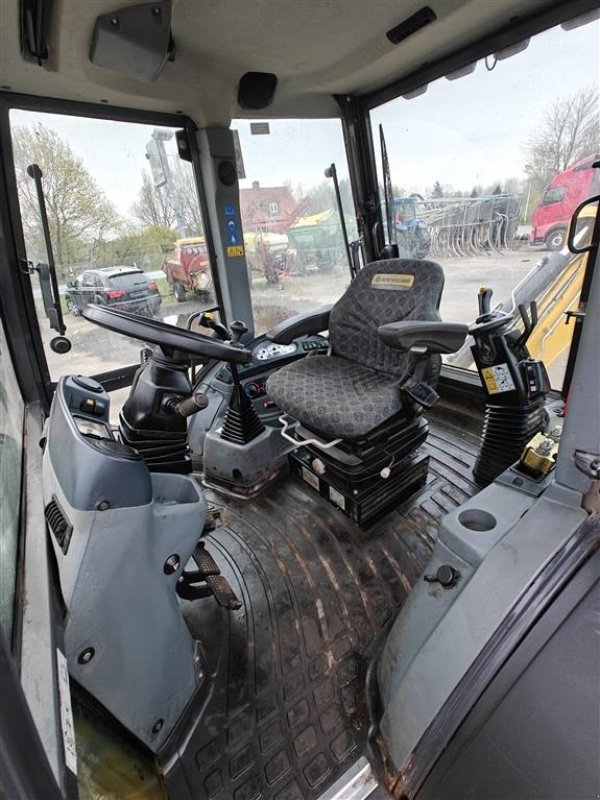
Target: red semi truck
566,191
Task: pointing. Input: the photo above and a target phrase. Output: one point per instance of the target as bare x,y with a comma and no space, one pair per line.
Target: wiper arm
47,272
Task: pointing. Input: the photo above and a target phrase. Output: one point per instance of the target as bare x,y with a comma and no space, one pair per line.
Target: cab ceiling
317,49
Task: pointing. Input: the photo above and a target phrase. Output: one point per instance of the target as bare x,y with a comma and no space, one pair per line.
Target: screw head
86,655
102,505
171,565
157,727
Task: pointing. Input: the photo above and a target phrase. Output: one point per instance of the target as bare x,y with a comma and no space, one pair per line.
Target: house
270,208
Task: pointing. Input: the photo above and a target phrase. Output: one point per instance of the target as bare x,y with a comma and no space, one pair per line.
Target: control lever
238,329
208,321
529,321
484,298
191,405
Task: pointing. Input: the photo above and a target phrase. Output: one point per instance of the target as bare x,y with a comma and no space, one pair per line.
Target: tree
437,190
79,215
173,206
152,207
568,131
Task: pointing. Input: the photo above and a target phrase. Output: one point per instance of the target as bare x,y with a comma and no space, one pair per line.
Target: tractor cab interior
311,512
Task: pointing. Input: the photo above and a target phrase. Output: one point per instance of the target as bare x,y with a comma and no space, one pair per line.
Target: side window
485,176
11,442
87,280
554,195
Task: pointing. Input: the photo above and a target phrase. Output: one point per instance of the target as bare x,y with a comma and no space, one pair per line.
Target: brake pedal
207,580
223,593
206,563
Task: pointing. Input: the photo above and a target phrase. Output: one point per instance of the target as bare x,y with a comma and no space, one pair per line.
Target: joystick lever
238,329
484,299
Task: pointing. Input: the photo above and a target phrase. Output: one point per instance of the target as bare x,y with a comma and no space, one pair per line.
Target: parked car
122,288
187,267
565,192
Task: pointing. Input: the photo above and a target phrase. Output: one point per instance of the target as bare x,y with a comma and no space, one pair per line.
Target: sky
464,132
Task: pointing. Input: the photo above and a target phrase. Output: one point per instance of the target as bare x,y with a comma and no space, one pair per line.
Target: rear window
127,280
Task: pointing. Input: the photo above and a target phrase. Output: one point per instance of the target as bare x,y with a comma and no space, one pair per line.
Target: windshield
292,228
478,151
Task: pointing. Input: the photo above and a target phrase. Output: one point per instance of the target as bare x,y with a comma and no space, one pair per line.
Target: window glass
117,195
11,441
554,195
292,229
478,164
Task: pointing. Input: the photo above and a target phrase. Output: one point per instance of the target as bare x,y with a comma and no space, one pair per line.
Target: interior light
507,52
416,92
584,19
460,73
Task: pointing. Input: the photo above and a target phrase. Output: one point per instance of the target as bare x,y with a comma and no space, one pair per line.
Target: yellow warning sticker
385,280
235,251
497,379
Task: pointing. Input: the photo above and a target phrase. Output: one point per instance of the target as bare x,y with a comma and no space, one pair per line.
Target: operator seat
358,409
354,390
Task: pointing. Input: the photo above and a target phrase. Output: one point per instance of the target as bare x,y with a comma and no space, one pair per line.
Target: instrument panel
268,350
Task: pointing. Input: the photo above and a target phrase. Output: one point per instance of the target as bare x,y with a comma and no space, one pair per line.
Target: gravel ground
96,350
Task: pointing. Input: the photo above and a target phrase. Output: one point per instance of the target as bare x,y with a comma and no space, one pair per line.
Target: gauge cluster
268,350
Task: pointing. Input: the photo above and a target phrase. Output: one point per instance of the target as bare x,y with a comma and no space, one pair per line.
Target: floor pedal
224,594
206,581
206,563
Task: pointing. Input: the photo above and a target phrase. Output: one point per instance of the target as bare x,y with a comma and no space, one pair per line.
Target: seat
358,409
355,390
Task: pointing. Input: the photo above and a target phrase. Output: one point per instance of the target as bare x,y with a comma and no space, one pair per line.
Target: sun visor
135,40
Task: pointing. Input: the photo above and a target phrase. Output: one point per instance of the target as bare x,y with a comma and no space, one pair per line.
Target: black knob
446,575
238,329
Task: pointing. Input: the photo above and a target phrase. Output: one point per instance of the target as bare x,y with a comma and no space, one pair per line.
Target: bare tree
156,206
152,206
79,215
187,197
569,131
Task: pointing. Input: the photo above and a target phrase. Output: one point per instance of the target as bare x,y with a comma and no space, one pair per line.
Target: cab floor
281,714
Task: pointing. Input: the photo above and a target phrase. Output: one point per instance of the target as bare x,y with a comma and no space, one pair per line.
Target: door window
108,205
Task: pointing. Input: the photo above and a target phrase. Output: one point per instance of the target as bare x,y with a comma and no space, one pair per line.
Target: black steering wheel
167,337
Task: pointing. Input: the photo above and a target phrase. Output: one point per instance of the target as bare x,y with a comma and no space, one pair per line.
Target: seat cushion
334,396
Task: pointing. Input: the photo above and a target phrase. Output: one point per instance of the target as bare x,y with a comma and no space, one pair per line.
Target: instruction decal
310,478
498,379
235,252
398,283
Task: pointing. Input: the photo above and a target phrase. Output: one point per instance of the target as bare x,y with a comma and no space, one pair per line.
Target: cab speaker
256,90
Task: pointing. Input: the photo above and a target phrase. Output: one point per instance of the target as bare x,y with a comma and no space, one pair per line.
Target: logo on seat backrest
387,280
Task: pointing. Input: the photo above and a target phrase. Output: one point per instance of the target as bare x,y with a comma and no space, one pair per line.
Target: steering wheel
167,337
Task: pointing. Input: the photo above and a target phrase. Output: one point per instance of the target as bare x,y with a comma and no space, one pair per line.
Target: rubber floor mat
282,714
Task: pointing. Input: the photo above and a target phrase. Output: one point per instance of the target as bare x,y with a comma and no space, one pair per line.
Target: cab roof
317,48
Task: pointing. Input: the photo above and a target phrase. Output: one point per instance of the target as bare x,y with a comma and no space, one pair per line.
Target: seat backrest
384,291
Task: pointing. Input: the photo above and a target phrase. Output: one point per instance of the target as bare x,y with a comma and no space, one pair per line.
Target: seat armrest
314,321
434,337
